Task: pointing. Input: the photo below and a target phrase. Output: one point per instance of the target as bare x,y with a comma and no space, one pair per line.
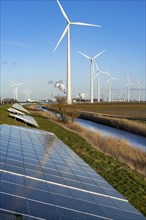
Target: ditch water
135,140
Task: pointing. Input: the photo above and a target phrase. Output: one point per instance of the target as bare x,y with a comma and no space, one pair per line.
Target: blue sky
30,31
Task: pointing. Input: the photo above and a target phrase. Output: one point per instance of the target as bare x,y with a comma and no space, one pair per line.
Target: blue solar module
42,178
14,111
26,119
20,107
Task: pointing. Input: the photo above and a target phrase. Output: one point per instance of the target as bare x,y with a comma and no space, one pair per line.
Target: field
127,181
128,110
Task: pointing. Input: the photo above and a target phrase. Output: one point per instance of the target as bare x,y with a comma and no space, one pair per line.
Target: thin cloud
5,62
15,43
15,63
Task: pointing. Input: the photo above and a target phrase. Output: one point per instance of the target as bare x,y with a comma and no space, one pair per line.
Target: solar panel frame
20,107
42,191
26,119
14,111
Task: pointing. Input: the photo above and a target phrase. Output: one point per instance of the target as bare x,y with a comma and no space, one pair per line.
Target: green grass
128,182
5,119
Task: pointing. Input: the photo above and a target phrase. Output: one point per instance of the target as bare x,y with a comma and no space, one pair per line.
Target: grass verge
118,149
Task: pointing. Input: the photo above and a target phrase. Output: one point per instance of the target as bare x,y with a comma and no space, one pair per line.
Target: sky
30,31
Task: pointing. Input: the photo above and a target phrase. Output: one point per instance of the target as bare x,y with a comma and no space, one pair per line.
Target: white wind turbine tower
91,71
67,30
98,80
15,86
26,93
139,86
109,85
14,96
128,85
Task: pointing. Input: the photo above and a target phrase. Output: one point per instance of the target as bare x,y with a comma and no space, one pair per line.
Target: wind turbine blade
19,84
141,86
114,78
132,84
99,71
126,85
108,74
98,54
84,55
103,72
62,10
62,36
13,83
96,66
85,24
12,86
107,82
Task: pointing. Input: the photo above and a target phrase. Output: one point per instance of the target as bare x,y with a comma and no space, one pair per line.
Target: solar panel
42,178
20,107
12,110
25,118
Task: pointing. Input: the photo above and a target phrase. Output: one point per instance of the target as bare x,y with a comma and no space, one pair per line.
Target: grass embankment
118,149
123,124
5,119
128,182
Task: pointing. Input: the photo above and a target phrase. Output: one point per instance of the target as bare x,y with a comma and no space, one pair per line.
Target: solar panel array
14,111
41,178
25,118
20,107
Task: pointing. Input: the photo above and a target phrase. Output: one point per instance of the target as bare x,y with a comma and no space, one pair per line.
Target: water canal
134,139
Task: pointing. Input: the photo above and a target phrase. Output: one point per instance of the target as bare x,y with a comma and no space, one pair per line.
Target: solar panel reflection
25,118
41,178
20,107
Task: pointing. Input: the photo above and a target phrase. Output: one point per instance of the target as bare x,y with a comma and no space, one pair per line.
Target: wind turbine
139,86
27,94
67,30
15,86
109,85
91,71
14,96
128,85
98,80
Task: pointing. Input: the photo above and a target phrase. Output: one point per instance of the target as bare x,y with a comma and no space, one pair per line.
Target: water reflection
136,140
